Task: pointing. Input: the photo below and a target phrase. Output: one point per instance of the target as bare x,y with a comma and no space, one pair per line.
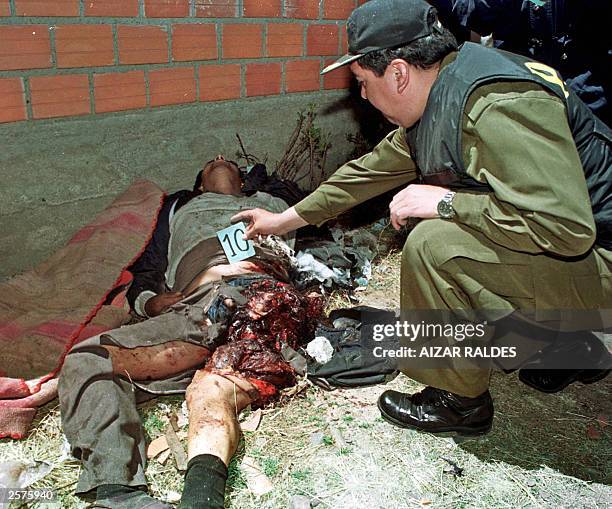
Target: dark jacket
150,268
436,146
570,36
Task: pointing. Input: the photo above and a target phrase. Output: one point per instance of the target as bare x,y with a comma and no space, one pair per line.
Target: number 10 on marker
234,246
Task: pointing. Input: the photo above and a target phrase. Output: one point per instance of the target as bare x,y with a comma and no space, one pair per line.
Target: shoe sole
442,432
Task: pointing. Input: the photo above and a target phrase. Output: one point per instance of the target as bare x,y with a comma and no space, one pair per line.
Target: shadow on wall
372,126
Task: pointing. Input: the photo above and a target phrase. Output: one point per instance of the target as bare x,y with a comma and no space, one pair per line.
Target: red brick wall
63,58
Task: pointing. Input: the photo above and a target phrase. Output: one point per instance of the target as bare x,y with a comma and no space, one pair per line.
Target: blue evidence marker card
235,247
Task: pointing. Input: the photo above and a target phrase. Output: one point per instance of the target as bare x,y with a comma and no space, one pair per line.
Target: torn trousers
448,266
98,407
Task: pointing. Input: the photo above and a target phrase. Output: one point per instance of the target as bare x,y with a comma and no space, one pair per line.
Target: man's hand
158,304
262,222
416,200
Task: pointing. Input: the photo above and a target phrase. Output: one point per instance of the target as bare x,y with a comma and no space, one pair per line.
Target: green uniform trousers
448,266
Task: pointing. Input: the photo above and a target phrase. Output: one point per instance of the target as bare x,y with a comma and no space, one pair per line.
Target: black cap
380,24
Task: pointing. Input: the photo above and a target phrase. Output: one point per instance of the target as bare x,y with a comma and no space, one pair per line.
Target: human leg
446,266
214,402
98,406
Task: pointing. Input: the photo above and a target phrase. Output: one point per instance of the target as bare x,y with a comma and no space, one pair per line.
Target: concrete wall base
56,175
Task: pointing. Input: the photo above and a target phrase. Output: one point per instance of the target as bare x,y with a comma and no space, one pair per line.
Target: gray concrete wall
56,175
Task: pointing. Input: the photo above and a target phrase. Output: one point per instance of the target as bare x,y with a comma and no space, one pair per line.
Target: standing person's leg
446,266
214,402
98,406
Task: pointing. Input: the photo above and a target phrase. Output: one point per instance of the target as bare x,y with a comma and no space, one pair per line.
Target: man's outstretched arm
263,222
388,166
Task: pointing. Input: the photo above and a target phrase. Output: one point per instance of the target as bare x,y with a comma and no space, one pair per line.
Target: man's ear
401,74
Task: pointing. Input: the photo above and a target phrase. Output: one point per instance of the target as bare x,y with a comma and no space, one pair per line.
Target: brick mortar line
92,98
115,33
199,104
196,69
64,71
81,8
147,89
169,42
12,8
305,39
51,31
141,9
243,90
28,98
283,79
192,9
107,20
218,33
321,78
264,40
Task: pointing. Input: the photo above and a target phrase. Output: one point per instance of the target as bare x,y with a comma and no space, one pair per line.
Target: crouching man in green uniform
509,172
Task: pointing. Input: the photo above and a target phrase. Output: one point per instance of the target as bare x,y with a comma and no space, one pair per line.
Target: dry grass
542,451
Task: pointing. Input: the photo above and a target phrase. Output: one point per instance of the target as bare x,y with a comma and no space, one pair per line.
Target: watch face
445,210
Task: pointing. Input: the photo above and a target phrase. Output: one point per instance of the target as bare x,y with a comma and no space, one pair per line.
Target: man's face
381,91
387,94
220,172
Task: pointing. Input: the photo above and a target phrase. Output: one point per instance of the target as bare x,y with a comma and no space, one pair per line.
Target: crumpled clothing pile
345,261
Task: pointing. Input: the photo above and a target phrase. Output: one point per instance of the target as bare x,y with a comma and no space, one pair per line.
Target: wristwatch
445,206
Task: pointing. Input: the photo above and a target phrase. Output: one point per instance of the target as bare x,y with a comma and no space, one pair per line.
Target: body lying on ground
212,328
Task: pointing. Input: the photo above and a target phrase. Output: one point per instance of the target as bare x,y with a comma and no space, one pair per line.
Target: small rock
21,474
260,442
251,423
163,457
336,434
157,446
173,497
299,502
316,438
183,416
335,414
257,481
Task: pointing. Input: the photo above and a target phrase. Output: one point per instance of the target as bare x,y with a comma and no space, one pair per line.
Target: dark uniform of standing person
511,175
573,37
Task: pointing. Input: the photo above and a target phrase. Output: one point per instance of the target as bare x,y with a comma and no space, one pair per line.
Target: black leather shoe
555,380
437,411
580,357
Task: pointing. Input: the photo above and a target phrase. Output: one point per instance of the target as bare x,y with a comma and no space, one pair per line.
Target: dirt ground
332,449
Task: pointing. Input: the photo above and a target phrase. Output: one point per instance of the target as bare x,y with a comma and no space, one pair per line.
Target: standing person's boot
437,411
555,380
577,357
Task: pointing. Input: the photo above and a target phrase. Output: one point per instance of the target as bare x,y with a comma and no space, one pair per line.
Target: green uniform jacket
517,139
